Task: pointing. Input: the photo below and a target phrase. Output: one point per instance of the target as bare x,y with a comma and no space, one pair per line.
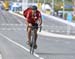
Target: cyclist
33,18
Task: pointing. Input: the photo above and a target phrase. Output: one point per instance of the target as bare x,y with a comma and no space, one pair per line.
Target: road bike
32,41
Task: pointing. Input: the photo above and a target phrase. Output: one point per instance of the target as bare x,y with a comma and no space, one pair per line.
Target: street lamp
63,8
52,6
33,1
24,4
44,4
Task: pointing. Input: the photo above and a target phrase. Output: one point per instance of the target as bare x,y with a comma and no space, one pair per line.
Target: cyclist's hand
40,26
30,25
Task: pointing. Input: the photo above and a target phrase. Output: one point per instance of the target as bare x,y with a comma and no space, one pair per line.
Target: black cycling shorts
36,25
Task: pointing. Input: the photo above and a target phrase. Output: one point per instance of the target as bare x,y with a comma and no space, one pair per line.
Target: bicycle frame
32,42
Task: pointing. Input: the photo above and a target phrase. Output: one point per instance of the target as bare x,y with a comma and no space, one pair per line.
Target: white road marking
44,33
19,45
9,29
3,29
57,31
16,18
17,14
12,24
0,56
51,30
63,31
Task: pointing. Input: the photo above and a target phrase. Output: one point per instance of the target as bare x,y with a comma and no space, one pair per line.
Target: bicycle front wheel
32,43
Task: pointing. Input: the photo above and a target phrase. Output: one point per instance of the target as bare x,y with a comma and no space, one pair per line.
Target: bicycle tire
32,43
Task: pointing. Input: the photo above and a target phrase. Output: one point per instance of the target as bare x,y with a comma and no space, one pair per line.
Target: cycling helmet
34,7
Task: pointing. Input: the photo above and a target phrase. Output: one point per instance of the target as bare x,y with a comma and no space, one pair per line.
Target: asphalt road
13,39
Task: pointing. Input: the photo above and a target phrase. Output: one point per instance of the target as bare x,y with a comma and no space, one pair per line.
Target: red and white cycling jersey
32,18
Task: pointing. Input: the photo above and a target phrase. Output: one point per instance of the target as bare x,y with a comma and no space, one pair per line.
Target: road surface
13,39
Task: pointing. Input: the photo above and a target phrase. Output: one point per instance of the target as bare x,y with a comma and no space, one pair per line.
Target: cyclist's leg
36,35
35,46
29,35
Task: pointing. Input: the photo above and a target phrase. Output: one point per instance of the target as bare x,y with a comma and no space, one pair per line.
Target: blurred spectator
60,14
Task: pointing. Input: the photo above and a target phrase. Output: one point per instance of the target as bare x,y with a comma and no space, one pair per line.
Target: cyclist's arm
40,19
26,22
27,17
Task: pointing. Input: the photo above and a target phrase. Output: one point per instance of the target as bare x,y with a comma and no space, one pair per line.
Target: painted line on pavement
19,45
19,29
17,14
9,29
12,24
0,56
44,33
16,18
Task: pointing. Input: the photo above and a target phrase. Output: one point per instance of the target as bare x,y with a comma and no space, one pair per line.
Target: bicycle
32,41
